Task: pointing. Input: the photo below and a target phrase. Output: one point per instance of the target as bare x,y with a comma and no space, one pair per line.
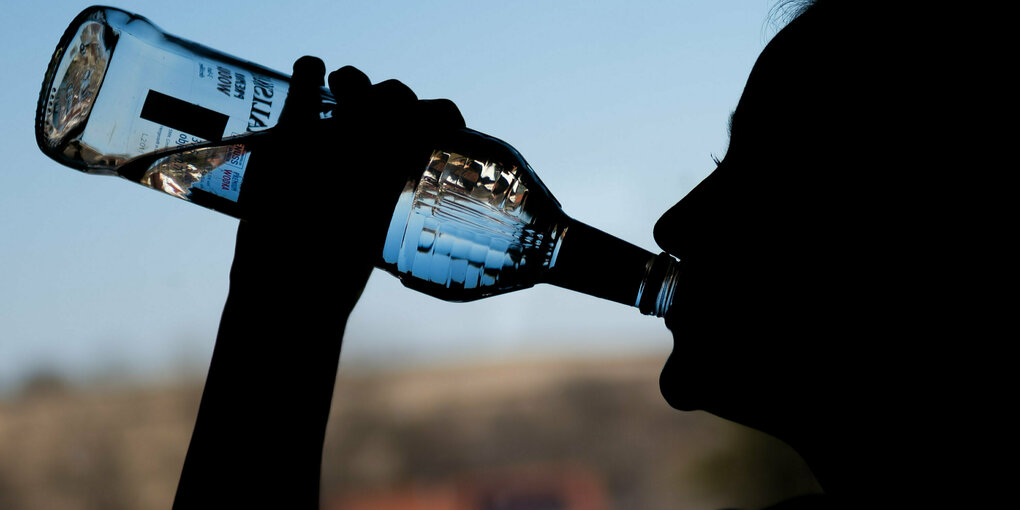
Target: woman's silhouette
826,259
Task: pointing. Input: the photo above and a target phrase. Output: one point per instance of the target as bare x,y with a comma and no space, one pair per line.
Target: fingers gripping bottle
122,97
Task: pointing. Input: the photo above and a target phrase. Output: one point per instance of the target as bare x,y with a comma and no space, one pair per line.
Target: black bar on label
184,116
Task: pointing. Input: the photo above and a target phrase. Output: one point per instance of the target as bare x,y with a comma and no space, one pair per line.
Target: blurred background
110,293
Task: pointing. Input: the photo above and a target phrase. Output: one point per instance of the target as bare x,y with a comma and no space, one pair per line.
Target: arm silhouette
302,259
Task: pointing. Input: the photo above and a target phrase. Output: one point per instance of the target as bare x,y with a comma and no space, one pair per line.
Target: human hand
322,190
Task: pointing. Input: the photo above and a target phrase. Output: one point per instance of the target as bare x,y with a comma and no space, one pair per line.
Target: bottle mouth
664,298
655,296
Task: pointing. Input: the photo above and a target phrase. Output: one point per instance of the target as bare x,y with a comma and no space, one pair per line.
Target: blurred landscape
526,435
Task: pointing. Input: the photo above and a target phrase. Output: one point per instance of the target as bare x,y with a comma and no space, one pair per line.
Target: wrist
291,267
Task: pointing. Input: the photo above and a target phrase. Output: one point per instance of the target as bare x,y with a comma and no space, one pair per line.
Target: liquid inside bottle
479,222
467,228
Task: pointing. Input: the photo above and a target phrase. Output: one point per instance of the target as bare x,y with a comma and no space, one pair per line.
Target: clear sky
618,105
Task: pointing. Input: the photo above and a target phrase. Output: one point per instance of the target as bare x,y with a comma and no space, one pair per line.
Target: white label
116,127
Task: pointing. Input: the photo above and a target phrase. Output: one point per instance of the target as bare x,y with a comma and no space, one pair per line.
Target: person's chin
674,384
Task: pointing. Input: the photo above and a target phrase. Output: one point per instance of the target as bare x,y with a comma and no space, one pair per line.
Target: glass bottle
122,97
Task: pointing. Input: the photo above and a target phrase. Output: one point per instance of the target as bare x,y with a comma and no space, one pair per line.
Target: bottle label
154,98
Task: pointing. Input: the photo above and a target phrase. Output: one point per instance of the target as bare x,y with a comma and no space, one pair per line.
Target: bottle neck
593,262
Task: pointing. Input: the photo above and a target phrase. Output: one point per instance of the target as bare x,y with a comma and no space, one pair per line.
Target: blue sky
618,105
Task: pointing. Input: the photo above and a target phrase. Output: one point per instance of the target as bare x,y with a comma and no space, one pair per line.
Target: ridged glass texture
465,230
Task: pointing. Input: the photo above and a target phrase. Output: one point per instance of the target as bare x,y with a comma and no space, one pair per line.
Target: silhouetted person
826,258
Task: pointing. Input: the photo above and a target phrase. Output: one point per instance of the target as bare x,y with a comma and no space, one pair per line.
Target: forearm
261,424
264,410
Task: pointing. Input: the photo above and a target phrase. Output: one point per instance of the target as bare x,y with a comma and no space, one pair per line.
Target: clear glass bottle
122,97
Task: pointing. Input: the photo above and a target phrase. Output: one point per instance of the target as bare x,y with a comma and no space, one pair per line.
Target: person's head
805,252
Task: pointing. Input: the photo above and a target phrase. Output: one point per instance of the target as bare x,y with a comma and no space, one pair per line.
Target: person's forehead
795,70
